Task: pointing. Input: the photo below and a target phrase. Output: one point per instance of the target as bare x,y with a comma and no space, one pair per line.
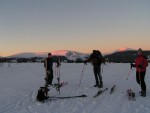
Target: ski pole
82,74
128,74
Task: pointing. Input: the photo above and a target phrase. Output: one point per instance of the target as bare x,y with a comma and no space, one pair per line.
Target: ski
112,89
100,92
57,98
79,96
131,95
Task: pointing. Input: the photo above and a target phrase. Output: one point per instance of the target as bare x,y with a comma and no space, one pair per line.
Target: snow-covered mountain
27,55
123,49
71,55
67,53
120,50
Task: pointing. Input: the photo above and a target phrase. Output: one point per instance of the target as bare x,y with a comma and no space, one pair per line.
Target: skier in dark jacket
48,64
96,59
140,64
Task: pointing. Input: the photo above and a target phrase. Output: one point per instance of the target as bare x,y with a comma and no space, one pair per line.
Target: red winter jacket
142,61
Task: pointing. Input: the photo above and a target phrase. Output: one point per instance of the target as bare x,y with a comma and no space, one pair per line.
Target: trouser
49,77
97,73
140,76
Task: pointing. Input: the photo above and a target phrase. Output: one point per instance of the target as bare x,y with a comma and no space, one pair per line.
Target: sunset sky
78,25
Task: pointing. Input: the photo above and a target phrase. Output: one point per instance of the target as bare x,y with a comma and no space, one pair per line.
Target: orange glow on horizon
122,49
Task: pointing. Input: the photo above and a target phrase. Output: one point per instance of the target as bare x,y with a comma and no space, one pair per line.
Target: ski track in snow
19,84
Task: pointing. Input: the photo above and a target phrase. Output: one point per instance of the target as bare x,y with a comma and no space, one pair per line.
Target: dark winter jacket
141,63
95,59
49,63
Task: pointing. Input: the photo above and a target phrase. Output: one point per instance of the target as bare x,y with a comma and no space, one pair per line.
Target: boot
96,85
101,85
143,93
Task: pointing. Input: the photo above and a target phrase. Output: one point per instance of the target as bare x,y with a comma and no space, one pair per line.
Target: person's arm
45,64
145,63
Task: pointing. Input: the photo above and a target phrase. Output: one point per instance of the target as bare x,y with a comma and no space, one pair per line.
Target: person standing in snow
48,64
140,64
96,59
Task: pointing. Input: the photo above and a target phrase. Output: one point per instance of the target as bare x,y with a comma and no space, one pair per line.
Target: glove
58,64
132,65
139,66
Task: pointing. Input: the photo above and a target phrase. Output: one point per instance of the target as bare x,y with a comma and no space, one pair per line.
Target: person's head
49,55
140,51
94,51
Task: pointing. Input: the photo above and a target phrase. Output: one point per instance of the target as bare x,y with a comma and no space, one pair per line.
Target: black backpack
96,57
42,94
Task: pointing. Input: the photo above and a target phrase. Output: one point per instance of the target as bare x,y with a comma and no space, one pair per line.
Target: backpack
42,94
96,58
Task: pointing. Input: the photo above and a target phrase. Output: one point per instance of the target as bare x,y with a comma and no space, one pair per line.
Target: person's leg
143,85
137,78
95,74
100,77
51,77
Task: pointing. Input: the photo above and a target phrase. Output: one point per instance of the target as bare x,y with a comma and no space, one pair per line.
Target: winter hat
140,51
49,54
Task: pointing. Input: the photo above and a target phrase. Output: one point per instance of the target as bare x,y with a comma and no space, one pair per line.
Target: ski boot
96,85
101,85
143,93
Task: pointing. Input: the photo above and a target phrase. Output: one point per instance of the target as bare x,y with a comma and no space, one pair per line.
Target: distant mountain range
71,55
119,55
125,56
61,53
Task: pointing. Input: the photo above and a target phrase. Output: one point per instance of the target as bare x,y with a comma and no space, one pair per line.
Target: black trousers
49,77
140,78
97,73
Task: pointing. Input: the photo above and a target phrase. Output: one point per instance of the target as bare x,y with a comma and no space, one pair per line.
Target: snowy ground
19,84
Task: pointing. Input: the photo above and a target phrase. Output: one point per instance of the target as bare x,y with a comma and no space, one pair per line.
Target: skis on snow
100,92
79,96
131,95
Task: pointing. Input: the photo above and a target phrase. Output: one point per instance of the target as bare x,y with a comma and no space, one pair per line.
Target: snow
19,84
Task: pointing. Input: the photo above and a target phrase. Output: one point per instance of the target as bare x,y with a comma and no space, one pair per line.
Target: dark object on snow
131,94
112,89
42,94
55,98
143,93
100,92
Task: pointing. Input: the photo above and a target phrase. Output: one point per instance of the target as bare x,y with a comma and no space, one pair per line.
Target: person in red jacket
140,64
